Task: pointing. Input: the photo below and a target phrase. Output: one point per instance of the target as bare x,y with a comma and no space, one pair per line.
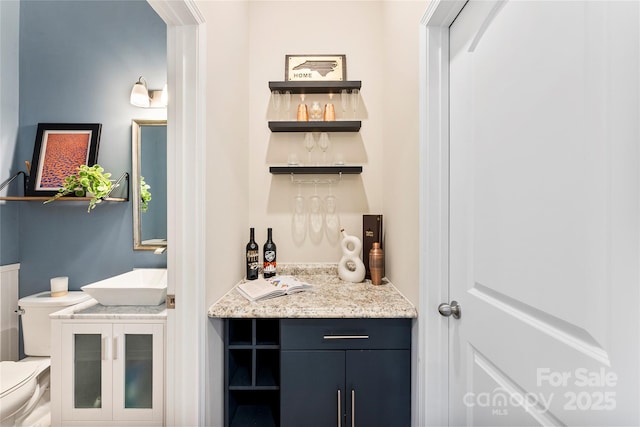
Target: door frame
431,405
186,139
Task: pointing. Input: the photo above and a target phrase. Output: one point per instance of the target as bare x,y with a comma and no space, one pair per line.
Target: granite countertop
90,309
330,297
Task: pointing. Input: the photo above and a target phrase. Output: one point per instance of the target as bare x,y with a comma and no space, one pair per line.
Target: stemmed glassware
286,103
355,99
276,101
309,143
286,98
299,219
344,99
316,220
332,219
324,144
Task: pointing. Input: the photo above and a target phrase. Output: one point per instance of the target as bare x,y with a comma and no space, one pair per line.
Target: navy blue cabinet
378,387
252,376
346,372
315,388
318,372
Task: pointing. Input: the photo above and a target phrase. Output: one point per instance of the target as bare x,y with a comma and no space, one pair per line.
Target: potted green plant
90,181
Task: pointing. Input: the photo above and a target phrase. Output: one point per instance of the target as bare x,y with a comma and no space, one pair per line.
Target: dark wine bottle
269,254
252,256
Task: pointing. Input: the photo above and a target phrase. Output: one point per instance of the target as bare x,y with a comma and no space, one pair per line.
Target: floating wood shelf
319,170
117,184
61,199
315,87
316,126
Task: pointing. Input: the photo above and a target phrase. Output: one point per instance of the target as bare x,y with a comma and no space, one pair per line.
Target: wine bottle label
252,264
269,256
252,257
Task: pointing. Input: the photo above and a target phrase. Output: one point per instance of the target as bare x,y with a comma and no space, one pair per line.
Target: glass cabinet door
86,371
138,371
138,377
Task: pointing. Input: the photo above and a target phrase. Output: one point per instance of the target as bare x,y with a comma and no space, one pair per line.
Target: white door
544,213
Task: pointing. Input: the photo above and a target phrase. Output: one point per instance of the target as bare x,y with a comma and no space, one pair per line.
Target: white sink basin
144,286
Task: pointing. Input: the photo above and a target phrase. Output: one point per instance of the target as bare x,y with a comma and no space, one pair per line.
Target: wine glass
324,143
309,143
275,101
286,98
316,217
315,112
332,218
355,99
298,219
344,99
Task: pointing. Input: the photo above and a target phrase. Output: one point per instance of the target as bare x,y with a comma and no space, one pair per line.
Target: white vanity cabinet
108,372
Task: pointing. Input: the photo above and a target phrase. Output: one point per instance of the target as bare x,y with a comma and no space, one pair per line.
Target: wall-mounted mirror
149,155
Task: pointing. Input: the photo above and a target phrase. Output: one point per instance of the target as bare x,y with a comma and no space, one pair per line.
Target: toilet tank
36,326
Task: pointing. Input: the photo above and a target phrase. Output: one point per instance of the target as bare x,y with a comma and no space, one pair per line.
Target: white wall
380,41
227,177
400,148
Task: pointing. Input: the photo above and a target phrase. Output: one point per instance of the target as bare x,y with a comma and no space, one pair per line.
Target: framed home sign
59,150
315,68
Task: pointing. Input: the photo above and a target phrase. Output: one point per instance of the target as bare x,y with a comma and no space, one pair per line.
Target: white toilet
24,385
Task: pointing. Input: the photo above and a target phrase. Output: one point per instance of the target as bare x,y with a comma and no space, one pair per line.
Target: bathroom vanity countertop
330,297
90,309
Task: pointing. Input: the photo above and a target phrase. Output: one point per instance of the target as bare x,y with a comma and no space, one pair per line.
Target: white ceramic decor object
351,268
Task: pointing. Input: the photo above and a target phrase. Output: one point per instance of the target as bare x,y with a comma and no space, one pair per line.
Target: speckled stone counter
90,309
330,297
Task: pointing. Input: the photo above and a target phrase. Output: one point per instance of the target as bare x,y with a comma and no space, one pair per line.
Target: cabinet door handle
339,410
353,408
104,350
114,353
346,337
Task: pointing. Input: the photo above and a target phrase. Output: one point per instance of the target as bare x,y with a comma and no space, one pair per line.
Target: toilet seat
18,385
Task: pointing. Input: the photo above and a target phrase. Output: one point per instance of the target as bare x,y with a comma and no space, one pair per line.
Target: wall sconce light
142,97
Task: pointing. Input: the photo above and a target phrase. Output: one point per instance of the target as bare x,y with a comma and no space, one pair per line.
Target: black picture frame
318,68
60,148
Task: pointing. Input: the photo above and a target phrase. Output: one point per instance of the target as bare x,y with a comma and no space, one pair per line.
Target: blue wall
9,100
78,62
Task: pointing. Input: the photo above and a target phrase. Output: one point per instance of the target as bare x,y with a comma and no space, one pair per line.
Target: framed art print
59,150
315,68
